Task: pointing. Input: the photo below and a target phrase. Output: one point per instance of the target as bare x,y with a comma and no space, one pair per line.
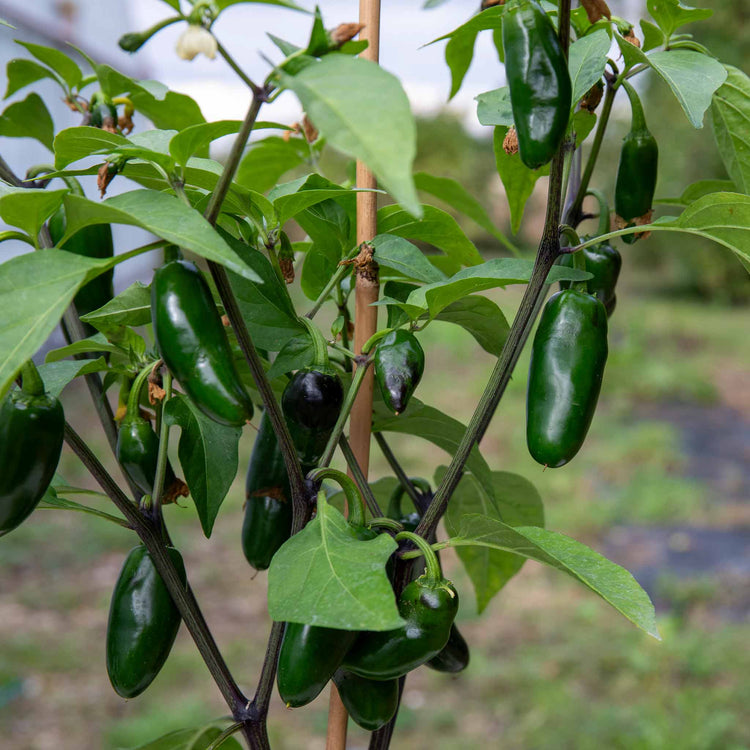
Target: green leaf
208,456
52,500
517,178
268,159
459,198
28,208
67,69
362,110
431,424
326,576
22,72
586,62
693,78
402,256
298,352
611,582
482,318
35,289
129,308
671,14
265,305
697,190
195,138
493,107
292,198
730,118
175,111
460,48
582,123
516,502
221,4
56,375
321,262
96,343
653,36
163,215
77,143
437,228
28,119
190,739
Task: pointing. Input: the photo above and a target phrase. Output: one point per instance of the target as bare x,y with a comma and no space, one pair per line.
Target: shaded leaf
129,308
671,14
28,119
482,318
197,137
402,256
56,375
28,208
297,353
493,107
22,72
586,62
53,58
268,159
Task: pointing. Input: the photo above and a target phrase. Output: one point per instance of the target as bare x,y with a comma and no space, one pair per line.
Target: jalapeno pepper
32,425
193,343
143,623
637,171
268,500
399,364
370,703
565,375
538,79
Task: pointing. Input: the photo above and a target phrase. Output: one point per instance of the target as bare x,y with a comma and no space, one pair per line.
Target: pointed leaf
586,62
402,256
197,137
28,119
129,308
58,61
56,375
493,107
482,318
28,208
268,159
730,117
22,72
671,14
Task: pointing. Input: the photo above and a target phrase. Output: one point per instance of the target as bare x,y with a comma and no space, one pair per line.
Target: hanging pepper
143,623
428,606
370,703
399,364
637,171
268,500
193,343
565,375
32,424
538,79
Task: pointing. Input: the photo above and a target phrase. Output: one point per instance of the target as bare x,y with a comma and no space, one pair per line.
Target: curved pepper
454,657
538,79
604,262
32,424
637,171
143,623
428,605
565,376
399,365
371,703
268,500
193,343
311,403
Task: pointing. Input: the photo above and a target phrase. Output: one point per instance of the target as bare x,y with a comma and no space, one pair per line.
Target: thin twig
360,478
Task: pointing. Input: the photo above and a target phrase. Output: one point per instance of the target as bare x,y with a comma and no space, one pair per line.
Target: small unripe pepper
193,343
399,365
32,424
637,171
143,623
538,79
565,376
370,703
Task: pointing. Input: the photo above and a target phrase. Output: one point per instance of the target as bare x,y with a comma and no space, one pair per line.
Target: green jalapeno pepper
32,425
565,375
143,623
370,703
454,656
193,343
538,79
268,500
399,365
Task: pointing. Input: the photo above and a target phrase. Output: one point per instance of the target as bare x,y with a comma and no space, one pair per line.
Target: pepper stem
603,227
320,345
639,118
351,492
434,573
31,380
134,397
386,523
394,505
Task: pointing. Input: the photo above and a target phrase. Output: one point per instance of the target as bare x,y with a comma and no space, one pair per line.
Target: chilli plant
216,345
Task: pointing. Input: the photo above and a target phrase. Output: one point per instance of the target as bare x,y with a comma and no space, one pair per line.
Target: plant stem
161,461
268,673
235,67
337,278
359,478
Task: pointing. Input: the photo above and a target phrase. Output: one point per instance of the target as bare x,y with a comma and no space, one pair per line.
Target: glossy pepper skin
308,658
565,376
604,262
429,608
399,365
268,500
143,623
454,657
192,341
539,82
371,703
31,438
93,242
311,403
138,453
637,170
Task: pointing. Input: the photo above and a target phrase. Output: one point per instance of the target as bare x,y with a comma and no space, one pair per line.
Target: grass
552,666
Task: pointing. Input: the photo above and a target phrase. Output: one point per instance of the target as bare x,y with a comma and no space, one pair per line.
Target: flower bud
196,40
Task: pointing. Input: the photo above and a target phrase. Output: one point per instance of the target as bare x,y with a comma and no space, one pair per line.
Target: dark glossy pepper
193,343
539,82
93,242
399,365
565,375
428,606
268,500
311,403
102,112
370,703
31,437
143,623
137,452
454,656
637,171
604,262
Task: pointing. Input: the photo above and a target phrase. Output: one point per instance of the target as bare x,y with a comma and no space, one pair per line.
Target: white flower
194,40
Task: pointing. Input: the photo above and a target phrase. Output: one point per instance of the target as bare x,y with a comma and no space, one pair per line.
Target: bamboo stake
365,324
